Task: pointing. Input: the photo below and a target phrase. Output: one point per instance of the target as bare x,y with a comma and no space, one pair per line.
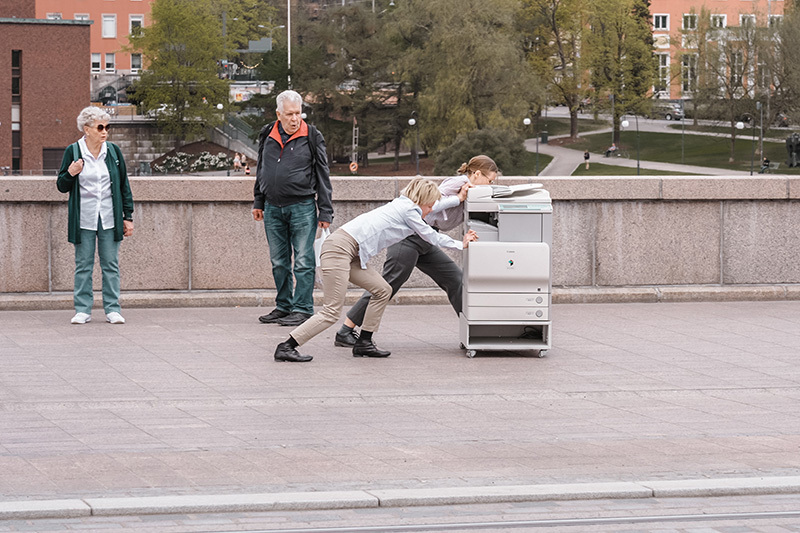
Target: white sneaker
115,318
81,318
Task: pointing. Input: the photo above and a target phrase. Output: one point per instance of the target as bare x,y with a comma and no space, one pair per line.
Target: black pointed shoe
284,352
273,316
348,340
364,348
293,319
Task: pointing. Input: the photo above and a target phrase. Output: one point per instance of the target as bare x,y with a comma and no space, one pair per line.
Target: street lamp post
228,135
740,127
289,42
760,109
625,124
527,122
413,123
683,127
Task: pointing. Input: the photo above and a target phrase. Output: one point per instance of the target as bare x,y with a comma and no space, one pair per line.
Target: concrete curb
266,298
359,499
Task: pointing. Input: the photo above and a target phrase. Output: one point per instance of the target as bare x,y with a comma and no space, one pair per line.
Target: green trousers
108,250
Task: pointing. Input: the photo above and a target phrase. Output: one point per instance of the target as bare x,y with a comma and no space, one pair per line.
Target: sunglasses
103,127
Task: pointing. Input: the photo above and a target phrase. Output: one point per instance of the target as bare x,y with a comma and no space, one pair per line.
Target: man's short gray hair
291,96
89,115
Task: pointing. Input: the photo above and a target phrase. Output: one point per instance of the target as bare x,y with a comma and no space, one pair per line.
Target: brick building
44,80
672,17
111,67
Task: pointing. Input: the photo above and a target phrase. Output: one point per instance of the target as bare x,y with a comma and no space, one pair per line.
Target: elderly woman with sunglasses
100,212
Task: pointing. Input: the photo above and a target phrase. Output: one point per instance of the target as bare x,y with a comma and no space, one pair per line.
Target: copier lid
494,197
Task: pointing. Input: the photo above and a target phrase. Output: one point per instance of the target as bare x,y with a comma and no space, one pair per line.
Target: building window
690,21
747,21
16,110
96,63
737,67
81,16
689,73
775,21
54,16
662,84
135,22
661,22
136,62
109,26
110,63
719,21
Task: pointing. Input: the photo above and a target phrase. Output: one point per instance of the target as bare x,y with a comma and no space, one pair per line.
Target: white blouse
391,223
95,189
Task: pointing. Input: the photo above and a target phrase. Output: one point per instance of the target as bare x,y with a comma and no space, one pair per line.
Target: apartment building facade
35,127
112,22
671,18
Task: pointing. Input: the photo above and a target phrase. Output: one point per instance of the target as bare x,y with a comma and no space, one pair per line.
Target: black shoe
347,340
364,348
283,352
293,319
273,316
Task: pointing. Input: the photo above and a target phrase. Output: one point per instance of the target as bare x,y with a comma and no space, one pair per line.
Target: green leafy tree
554,30
503,146
464,64
620,55
181,84
779,69
726,59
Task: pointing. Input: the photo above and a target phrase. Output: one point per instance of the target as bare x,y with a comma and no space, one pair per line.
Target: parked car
667,111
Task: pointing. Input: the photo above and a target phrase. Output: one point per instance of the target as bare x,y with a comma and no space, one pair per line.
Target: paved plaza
188,402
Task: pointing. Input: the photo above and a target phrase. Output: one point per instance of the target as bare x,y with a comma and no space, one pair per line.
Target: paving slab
183,402
231,503
724,486
32,510
514,493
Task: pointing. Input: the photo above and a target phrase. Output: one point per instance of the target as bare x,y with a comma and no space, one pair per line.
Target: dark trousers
401,258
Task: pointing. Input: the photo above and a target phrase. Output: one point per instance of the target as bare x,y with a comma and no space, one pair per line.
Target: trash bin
544,137
144,168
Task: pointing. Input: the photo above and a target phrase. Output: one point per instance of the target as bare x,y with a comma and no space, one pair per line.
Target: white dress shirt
391,223
95,189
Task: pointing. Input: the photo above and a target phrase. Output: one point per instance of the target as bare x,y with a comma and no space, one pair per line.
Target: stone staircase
140,141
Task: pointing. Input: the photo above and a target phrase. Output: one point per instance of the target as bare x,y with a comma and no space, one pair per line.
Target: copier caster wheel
471,353
461,345
541,353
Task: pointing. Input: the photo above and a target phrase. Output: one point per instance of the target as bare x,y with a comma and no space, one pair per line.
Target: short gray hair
292,96
89,115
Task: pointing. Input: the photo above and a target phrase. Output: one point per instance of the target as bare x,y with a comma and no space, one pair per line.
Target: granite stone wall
197,233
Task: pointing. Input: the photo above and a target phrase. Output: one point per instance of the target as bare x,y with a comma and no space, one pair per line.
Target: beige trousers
340,264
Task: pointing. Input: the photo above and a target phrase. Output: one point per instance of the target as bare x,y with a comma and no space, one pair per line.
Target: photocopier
507,286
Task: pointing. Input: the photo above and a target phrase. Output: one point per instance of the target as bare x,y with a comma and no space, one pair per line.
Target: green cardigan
121,196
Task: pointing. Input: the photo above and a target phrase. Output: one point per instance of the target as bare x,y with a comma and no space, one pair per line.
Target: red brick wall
55,86
24,9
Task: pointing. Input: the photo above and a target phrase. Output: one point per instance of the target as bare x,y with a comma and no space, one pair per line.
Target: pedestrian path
187,404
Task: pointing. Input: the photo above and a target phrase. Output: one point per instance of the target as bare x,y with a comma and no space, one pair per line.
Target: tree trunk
573,122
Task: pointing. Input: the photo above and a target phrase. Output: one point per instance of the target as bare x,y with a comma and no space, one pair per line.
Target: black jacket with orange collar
290,173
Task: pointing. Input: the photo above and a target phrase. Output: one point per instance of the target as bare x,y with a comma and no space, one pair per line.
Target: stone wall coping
193,188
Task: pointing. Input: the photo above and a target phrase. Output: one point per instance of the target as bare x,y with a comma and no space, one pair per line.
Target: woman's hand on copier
469,237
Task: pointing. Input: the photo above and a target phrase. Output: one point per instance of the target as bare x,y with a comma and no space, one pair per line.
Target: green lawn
701,150
529,164
560,126
601,169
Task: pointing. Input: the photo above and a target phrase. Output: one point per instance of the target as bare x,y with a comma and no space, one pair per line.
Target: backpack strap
76,151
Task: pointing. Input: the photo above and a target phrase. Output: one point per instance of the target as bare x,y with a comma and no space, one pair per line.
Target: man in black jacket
293,197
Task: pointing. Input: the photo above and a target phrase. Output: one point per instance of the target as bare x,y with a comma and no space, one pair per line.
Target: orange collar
301,132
